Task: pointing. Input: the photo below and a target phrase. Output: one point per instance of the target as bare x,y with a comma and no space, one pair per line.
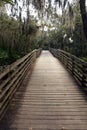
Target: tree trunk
84,16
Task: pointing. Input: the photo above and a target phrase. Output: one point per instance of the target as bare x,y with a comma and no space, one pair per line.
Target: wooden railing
76,66
12,76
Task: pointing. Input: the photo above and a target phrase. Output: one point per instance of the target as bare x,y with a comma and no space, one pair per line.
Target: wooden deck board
49,100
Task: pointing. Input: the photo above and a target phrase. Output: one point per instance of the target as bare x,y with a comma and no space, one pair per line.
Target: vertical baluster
73,65
84,76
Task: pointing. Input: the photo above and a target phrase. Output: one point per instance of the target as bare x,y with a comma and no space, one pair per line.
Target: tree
84,15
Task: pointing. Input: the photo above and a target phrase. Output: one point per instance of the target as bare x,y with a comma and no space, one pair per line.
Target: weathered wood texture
76,66
49,100
12,77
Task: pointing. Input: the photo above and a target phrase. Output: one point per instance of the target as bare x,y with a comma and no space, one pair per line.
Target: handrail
76,66
12,76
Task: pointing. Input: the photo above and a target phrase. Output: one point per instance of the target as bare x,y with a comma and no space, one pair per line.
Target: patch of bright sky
34,13
32,10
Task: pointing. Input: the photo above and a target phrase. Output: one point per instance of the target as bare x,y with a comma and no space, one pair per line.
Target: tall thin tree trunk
84,15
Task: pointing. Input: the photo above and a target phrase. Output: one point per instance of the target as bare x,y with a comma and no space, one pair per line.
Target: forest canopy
24,24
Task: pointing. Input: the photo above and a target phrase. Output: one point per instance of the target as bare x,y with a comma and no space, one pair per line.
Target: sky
32,10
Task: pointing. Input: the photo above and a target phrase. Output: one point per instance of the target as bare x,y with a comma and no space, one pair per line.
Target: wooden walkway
49,100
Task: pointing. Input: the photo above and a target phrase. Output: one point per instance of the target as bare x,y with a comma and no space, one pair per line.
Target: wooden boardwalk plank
49,100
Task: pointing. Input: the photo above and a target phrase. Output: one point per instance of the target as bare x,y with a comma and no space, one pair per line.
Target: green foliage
67,31
84,58
39,4
6,2
15,41
19,35
3,53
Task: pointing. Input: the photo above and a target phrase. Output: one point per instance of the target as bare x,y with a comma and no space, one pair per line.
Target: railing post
84,76
12,77
72,65
38,52
76,66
